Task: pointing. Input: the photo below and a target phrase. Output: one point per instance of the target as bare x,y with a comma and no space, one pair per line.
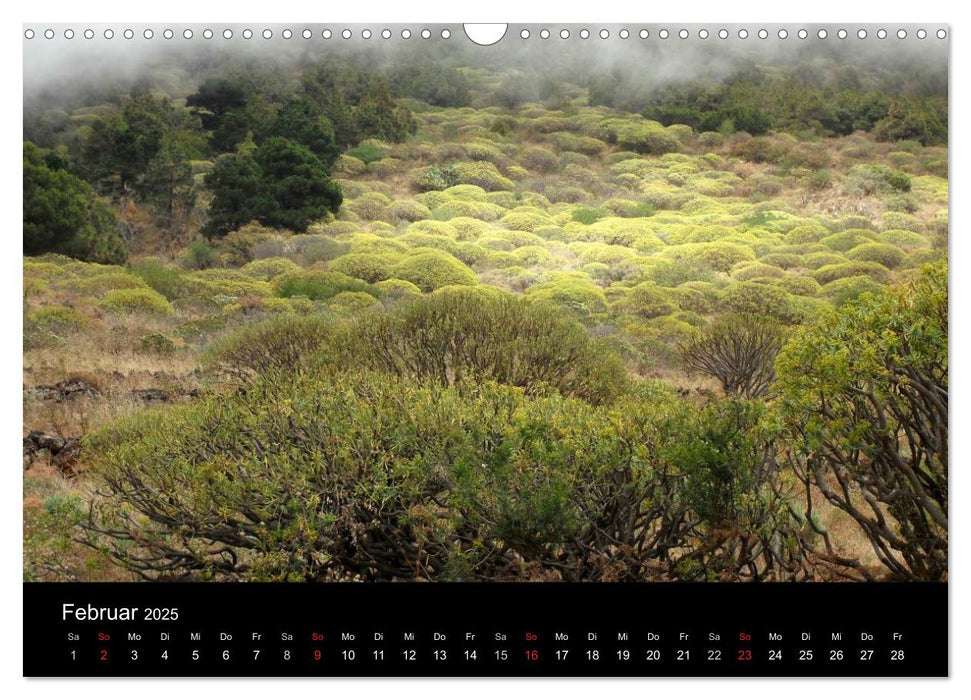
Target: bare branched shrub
739,351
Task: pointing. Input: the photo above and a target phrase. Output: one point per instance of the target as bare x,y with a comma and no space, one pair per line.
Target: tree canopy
62,214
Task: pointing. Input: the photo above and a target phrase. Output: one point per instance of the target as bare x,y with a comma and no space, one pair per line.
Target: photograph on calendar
377,303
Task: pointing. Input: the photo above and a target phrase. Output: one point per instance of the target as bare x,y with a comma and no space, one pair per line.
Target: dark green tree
63,215
283,185
378,116
297,182
301,122
237,195
216,98
230,130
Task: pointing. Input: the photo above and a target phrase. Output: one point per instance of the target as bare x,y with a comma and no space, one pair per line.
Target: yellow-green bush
577,294
718,256
350,303
317,285
846,240
434,228
267,268
800,285
756,270
469,228
809,233
226,282
753,298
784,260
647,137
602,252
107,281
887,255
408,210
395,288
845,289
828,273
482,174
814,261
386,167
432,270
538,159
906,240
532,254
369,267
55,318
647,301
525,219
137,301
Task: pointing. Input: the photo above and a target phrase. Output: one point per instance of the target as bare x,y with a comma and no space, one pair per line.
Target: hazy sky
57,63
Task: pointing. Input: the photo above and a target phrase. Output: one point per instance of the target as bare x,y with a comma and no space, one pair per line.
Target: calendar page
475,350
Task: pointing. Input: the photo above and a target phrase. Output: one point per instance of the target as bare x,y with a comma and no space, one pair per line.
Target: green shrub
575,294
532,254
649,137
460,335
433,177
106,281
906,240
525,219
55,319
538,159
849,239
868,180
483,482
754,299
284,343
226,282
883,253
647,301
800,286
587,216
318,284
370,151
432,270
137,301
164,279
266,269
865,388
845,289
350,303
810,233
199,255
483,174
756,270
364,266
784,260
718,256
814,261
828,273
408,210
396,289
157,343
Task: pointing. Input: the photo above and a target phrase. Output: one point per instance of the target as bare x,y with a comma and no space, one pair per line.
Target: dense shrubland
429,321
